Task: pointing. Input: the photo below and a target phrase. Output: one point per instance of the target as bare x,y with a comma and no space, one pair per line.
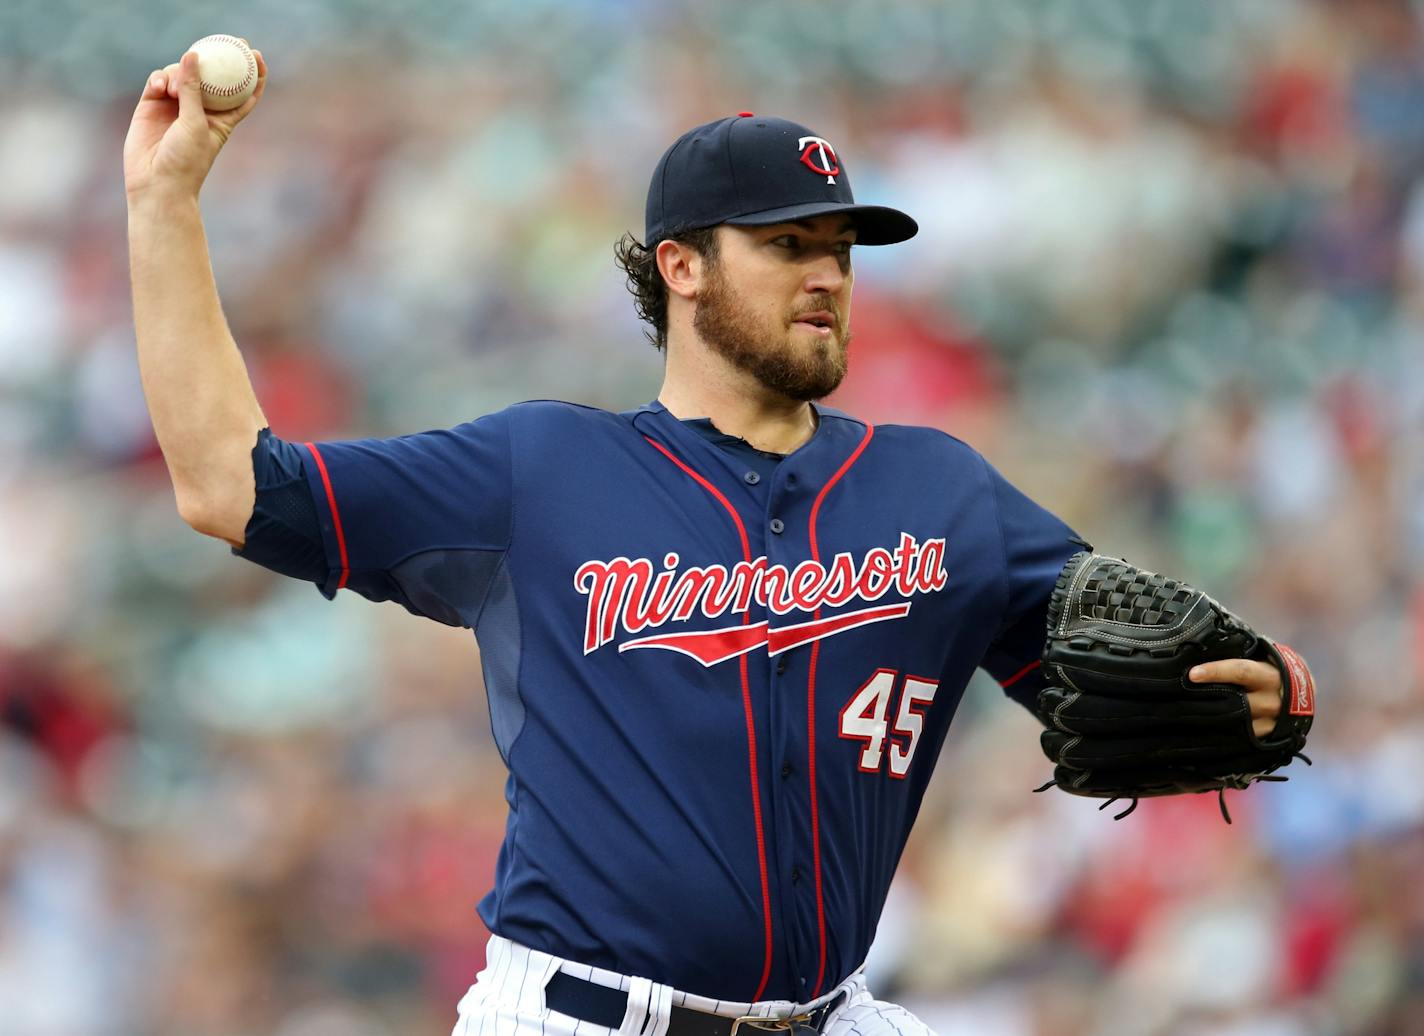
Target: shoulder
526,422
913,443
535,414
926,440
540,424
555,409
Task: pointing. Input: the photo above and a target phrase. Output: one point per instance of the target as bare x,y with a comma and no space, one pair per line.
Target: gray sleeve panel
501,641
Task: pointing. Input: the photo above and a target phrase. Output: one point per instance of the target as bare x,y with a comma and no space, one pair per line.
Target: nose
825,274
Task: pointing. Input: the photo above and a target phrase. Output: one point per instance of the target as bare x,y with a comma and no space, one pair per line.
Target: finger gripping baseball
1122,717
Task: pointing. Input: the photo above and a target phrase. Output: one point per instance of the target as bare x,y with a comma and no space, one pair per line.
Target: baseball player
723,634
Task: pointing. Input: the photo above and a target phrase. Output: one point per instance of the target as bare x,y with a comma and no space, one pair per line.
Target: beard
769,355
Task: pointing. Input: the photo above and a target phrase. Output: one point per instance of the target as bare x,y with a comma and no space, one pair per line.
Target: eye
844,247
786,241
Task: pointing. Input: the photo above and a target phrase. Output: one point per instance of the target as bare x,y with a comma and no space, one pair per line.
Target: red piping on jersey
1021,673
750,719
811,717
335,514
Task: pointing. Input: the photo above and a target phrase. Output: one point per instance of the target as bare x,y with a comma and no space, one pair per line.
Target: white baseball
227,71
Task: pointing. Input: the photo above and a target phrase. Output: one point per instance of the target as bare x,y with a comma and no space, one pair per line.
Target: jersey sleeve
423,520
1037,544
283,533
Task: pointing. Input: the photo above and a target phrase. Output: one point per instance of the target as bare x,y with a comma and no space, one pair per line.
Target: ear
681,266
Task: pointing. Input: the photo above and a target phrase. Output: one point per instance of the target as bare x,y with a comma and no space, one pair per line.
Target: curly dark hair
645,282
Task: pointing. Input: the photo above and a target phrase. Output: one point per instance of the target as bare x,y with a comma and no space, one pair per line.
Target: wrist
160,197
1298,685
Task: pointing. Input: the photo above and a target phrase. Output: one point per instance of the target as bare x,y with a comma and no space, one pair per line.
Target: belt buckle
753,1021
810,1022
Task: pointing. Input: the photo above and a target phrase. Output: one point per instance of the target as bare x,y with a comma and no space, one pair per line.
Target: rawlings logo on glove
1124,719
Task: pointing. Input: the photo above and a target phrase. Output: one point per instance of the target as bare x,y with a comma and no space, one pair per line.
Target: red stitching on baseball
228,91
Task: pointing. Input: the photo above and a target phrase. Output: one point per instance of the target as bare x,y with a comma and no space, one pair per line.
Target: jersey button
777,525
752,478
795,875
781,665
785,770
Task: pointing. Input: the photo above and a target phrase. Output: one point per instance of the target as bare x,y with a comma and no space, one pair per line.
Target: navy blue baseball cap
753,170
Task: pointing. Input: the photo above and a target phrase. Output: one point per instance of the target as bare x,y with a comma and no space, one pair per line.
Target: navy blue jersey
720,691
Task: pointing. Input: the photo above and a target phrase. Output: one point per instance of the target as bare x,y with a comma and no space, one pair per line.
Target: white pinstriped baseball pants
507,999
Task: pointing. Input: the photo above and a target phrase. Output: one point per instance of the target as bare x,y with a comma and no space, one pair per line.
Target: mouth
820,321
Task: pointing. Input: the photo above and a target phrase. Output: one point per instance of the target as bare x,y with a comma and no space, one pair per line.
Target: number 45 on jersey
866,718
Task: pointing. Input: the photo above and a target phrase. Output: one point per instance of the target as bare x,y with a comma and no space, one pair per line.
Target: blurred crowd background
1170,278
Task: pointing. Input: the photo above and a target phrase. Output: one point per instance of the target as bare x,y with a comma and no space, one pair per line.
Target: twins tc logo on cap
820,157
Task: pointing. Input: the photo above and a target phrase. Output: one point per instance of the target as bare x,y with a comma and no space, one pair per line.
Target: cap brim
874,224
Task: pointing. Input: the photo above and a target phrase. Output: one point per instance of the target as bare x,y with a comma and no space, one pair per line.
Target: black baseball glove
1124,720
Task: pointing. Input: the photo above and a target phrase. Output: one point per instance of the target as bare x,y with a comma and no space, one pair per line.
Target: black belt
606,1006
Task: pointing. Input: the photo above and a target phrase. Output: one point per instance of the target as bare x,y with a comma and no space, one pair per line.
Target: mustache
826,304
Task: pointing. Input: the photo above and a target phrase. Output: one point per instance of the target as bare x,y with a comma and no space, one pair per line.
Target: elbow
216,493
213,516
192,508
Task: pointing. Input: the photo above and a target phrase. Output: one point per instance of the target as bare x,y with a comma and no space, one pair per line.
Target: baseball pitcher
724,633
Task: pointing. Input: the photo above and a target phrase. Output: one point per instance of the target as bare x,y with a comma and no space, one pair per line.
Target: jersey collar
663,417
814,461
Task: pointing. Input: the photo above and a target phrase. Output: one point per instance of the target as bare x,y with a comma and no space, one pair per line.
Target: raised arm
204,411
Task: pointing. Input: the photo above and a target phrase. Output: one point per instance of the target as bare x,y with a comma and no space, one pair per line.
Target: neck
699,383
